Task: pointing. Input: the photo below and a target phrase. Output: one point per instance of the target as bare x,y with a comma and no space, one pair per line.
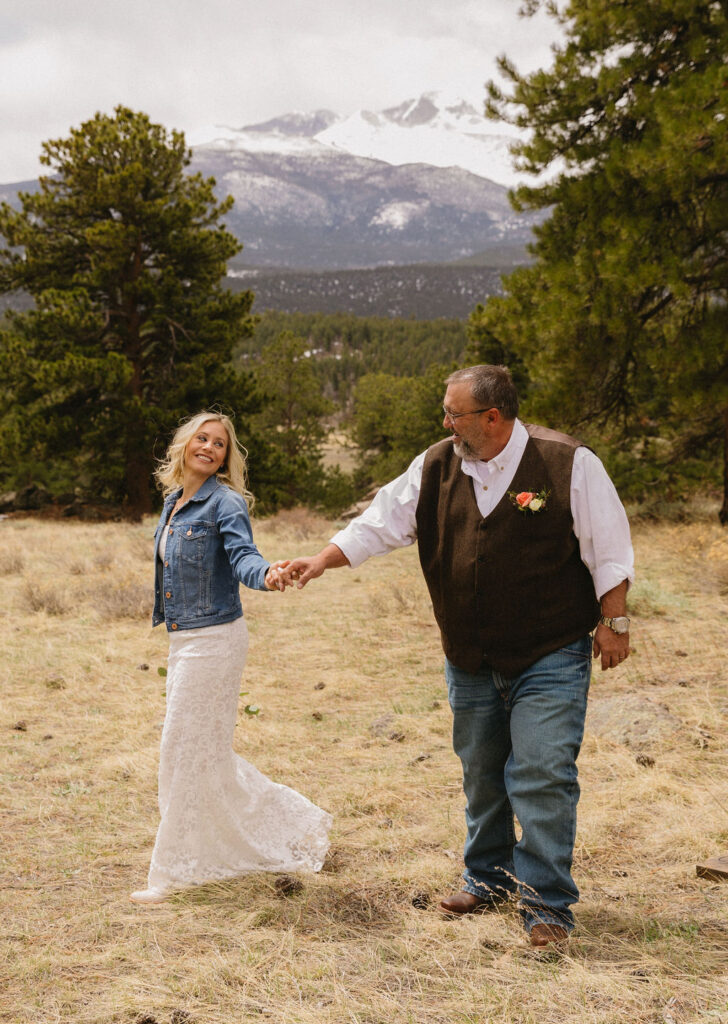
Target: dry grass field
348,676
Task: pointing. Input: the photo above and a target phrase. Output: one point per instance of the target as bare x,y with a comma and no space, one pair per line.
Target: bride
220,816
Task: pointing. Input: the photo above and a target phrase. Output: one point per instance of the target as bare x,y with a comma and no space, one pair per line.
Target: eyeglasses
452,416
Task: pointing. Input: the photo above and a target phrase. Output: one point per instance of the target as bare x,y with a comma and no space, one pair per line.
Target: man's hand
301,570
613,647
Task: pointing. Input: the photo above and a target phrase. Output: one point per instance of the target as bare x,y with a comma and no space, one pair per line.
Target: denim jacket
209,551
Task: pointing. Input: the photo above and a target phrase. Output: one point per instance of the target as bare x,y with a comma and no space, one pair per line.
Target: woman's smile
206,451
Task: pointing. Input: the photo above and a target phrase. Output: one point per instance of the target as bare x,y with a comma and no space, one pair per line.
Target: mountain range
424,182
421,182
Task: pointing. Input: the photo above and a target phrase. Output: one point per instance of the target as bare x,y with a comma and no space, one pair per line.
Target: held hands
299,571
293,573
275,578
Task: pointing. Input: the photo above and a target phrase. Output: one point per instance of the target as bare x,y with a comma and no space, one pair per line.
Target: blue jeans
518,740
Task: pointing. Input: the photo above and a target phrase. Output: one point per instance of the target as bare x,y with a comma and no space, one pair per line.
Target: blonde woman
220,816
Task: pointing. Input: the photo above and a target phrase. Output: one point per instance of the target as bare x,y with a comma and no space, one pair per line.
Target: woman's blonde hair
233,471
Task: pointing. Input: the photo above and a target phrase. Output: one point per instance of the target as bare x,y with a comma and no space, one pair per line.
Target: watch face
620,624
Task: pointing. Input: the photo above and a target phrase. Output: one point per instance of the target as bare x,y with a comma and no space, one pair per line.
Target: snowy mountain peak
442,129
427,108
297,123
412,112
436,128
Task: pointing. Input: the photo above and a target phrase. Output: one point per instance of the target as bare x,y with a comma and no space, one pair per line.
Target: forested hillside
342,348
420,291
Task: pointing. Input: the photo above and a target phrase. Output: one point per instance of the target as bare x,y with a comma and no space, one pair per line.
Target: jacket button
171,531
166,563
168,594
174,625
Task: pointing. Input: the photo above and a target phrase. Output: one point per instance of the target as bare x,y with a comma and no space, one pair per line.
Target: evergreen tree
123,253
395,418
622,320
291,415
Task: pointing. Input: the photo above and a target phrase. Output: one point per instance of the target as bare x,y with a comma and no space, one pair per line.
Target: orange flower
524,498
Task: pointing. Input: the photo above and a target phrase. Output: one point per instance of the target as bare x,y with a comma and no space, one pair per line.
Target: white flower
536,504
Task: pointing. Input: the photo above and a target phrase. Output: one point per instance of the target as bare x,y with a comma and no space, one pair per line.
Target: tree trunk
139,468
723,514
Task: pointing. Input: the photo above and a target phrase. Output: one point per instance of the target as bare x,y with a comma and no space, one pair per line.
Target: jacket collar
210,485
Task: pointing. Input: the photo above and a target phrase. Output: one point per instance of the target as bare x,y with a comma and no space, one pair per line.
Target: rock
381,726
32,497
421,900
360,506
286,885
21,726
7,501
631,719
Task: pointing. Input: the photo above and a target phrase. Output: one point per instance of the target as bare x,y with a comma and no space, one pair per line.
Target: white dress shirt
600,522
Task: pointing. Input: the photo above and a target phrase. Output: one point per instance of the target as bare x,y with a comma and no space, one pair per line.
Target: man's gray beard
463,450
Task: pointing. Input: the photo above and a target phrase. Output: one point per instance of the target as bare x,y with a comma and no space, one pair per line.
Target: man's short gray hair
490,386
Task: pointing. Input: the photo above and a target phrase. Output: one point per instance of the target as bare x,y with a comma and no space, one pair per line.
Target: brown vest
508,589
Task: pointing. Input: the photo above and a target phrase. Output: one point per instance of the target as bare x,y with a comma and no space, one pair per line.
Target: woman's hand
275,578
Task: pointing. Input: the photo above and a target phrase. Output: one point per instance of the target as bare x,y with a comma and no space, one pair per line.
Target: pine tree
291,416
123,253
622,320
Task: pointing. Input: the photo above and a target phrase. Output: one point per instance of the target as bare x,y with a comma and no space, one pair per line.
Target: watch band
611,623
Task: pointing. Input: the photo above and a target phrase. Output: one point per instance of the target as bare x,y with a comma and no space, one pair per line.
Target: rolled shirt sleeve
388,523
600,524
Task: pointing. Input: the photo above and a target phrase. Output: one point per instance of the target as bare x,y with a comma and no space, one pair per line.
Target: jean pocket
193,541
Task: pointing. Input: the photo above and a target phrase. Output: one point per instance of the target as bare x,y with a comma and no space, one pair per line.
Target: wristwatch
619,624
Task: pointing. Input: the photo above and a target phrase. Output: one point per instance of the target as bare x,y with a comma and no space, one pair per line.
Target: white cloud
189,65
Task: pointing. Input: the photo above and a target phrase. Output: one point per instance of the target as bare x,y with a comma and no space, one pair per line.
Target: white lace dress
220,816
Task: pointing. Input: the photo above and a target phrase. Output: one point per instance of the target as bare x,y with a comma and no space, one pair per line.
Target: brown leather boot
461,903
543,935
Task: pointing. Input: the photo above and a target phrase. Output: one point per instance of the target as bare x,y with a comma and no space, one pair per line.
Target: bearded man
526,551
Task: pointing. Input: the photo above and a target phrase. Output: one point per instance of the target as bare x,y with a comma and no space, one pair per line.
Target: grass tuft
12,563
50,598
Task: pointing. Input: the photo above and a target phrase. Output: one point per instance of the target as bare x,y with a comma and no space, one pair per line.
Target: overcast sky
190,64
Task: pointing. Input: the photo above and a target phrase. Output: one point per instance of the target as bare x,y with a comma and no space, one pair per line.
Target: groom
525,548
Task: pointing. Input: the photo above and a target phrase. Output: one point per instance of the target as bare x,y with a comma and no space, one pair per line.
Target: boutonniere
529,501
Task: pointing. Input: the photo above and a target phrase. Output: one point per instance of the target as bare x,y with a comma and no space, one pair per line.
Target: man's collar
513,450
